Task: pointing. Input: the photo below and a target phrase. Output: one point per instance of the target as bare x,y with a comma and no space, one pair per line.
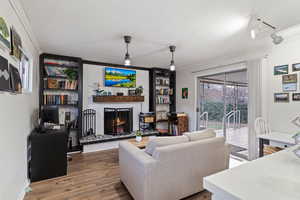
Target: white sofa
174,171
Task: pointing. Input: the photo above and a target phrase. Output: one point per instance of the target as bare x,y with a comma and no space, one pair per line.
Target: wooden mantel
113,99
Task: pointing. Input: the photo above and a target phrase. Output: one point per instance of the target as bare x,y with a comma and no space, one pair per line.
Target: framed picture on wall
282,69
16,44
296,96
289,82
185,93
291,78
296,67
4,33
281,97
4,75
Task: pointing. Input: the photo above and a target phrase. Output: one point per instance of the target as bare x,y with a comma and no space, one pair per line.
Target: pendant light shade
127,60
172,65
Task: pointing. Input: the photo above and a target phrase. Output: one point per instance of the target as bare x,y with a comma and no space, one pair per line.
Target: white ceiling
201,29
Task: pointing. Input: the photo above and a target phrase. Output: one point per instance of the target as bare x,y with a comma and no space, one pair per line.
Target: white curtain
254,71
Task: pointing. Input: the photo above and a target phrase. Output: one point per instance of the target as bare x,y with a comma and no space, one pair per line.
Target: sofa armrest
135,169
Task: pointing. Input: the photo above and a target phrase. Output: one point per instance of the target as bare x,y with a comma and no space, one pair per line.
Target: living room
149,100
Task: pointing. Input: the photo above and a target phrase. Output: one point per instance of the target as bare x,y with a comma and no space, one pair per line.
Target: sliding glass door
223,106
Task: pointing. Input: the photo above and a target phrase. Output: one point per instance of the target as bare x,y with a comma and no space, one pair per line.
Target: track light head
277,39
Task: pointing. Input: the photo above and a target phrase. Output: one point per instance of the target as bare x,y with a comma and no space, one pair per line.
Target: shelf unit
162,94
73,102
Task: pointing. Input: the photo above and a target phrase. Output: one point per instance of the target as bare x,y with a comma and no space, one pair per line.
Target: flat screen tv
120,77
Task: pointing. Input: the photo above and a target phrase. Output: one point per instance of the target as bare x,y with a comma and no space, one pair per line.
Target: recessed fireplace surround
118,121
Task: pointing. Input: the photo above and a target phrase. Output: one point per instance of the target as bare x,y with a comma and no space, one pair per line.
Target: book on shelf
162,100
55,99
51,83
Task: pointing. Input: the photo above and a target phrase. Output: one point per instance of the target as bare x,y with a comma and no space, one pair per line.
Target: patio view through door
223,106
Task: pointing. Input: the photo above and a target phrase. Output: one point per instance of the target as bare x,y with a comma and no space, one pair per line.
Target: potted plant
71,74
139,90
138,136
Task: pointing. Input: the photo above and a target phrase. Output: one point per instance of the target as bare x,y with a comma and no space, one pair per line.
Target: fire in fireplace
118,121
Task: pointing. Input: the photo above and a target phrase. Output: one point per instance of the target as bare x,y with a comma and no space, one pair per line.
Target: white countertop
274,177
279,137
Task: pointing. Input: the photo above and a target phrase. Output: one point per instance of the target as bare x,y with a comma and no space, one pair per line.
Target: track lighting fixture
257,27
172,50
127,60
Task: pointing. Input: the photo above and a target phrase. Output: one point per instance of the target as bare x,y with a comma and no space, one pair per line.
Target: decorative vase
138,138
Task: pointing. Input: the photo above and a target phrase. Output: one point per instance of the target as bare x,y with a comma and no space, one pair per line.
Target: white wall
95,74
280,114
16,113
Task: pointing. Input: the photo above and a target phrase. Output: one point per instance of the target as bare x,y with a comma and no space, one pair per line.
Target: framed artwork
281,97
282,69
4,75
4,33
296,96
15,79
287,87
296,67
289,82
291,78
185,93
16,44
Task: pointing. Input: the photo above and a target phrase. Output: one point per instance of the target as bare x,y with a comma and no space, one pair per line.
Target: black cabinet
47,154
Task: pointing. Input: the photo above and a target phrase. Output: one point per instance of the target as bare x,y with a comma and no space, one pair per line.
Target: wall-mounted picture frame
4,75
4,34
280,70
288,87
290,78
281,97
15,79
16,44
289,82
185,93
296,96
296,67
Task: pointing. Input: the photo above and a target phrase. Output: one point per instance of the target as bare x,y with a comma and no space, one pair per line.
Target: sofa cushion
164,141
200,135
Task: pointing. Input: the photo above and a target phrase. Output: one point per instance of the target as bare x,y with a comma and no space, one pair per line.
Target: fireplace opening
118,121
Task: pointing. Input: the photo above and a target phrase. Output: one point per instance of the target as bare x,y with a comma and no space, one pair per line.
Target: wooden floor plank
93,176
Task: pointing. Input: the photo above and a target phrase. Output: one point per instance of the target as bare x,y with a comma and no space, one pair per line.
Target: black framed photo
296,96
15,79
4,75
296,67
280,70
281,97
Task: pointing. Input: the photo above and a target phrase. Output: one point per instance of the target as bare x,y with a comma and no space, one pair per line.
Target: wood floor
93,176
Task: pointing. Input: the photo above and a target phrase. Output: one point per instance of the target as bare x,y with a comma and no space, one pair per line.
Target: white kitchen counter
274,177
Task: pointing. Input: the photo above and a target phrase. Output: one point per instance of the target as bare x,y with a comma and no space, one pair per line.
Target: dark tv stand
47,154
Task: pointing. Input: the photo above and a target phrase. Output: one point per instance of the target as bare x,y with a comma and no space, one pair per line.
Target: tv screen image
120,78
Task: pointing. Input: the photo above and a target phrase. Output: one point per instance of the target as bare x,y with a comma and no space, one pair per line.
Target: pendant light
172,50
127,60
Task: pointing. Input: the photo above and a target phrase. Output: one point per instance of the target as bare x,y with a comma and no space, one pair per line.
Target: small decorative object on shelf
138,136
131,92
139,91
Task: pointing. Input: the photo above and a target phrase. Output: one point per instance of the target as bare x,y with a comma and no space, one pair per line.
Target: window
25,71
